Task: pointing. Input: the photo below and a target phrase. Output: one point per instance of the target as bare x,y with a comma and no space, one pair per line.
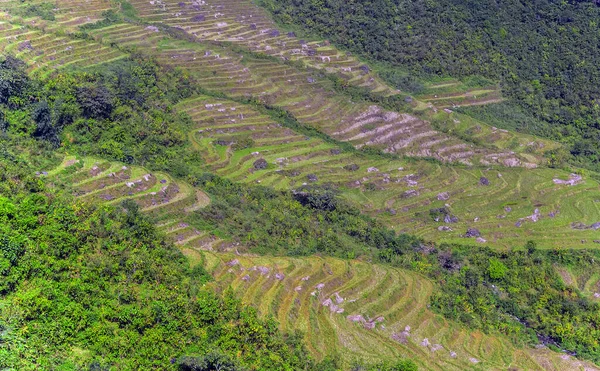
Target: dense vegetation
121,112
543,52
97,287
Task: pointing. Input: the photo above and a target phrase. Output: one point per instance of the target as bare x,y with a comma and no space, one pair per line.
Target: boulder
449,219
352,167
484,181
472,232
261,163
443,196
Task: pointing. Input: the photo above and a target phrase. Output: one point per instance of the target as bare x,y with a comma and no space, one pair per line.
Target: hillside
276,161
544,58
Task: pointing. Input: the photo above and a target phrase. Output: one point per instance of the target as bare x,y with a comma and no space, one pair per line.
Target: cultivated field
361,310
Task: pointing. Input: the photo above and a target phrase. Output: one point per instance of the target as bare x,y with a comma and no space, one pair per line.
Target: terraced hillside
500,202
45,52
311,99
402,198
63,15
242,23
157,194
367,311
354,308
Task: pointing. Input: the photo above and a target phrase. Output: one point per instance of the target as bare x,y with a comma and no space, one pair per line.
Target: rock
448,219
338,298
312,177
408,99
246,278
472,232
595,226
274,33
355,318
574,179
425,342
481,240
596,241
511,162
232,263
484,181
410,193
279,276
443,196
335,151
291,34
453,354
352,167
261,163
392,211
401,337
372,170
364,68
518,224
198,18
444,228
369,325
508,209
436,347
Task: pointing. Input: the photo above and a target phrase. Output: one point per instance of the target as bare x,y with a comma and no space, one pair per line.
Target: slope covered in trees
543,52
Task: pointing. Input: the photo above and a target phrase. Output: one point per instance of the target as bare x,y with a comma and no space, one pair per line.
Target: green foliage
496,269
545,58
13,79
97,288
43,10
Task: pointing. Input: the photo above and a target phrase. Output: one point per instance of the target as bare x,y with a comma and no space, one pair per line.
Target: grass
399,296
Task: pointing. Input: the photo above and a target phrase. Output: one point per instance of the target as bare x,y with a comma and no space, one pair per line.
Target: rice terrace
298,185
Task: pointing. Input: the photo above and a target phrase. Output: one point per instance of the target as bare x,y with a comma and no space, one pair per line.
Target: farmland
269,108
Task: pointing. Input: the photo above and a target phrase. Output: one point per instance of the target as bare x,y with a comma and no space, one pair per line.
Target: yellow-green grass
400,297
382,192
168,200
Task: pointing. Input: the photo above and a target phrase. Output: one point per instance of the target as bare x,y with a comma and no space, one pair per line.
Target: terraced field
354,308
500,202
45,52
452,93
401,198
159,195
367,311
310,99
68,14
243,23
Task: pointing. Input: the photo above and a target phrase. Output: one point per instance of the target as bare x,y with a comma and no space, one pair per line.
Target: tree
496,269
43,119
96,101
213,361
13,79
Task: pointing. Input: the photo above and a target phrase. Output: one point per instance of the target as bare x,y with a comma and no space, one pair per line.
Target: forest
543,53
